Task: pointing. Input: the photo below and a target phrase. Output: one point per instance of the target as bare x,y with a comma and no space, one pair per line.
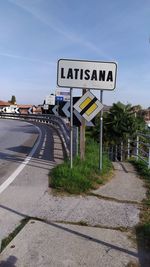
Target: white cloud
26,58
58,26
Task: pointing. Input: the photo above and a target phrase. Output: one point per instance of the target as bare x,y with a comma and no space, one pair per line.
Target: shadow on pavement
20,149
93,239
10,262
14,211
40,163
143,251
73,232
27,128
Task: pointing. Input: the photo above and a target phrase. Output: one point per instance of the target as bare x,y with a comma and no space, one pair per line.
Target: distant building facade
8,107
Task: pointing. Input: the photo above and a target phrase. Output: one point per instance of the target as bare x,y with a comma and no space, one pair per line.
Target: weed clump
84,175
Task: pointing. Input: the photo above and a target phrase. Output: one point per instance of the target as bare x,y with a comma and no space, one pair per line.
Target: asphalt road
57,240
27,153
16,141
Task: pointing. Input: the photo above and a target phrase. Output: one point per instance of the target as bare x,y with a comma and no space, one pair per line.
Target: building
8,107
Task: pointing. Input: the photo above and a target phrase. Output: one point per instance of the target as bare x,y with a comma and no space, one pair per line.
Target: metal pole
71,129
101,135
128,148
116,152
149,159
137,147
77,141
82,134
112,153
121,152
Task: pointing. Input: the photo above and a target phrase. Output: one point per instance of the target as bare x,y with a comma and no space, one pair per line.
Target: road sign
55,110
59,98
50,100
64,111
64,94
86,74
16,110
30,110
10,109
77,120
45,107
88,106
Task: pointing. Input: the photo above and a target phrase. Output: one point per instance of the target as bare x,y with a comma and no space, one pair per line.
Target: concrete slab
62,245
20,198
90,209
124,186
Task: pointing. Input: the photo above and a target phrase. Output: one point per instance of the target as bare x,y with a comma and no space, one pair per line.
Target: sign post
85,74
101,135
71,129
82,135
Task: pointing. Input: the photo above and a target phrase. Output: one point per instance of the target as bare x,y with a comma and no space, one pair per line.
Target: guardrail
139,148
142,148
57,122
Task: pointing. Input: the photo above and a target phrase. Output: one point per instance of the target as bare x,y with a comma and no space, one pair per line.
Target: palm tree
120,124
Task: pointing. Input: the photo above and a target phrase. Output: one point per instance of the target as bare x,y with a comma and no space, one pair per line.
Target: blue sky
36,33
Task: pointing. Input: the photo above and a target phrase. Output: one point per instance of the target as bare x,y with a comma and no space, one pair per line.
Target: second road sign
88,106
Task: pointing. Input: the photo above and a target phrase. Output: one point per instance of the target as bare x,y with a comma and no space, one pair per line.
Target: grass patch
9,238
133,264
143,229
141,168
84,175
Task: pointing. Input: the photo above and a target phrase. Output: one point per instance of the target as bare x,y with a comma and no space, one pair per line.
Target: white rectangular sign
86,74
50,100
46,106
64,94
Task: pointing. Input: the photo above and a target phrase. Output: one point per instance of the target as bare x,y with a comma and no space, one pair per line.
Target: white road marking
43,147
12,177
44,142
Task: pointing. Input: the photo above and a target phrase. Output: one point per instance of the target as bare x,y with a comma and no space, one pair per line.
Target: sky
35,34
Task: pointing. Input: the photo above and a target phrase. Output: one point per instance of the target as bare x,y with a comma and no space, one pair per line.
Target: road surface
16,141
27,153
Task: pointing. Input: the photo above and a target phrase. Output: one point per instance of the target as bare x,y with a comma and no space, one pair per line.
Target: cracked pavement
62,239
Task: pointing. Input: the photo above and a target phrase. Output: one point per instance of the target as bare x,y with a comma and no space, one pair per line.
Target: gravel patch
91,210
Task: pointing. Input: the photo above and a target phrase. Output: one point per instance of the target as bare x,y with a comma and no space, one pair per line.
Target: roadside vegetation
143,229
11,236
120,123
84,175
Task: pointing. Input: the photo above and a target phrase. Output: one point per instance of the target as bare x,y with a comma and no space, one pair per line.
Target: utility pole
82,135
101,135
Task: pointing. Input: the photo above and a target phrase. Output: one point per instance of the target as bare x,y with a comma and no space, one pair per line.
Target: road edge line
13,176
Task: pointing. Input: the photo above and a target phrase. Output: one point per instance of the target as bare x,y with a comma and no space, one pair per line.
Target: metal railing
57,122
139,148
142,148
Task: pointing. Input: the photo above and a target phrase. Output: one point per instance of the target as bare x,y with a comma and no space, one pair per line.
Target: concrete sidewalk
125,185
58,242
50,244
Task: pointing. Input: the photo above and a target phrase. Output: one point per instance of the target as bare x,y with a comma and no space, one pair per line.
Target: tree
120,124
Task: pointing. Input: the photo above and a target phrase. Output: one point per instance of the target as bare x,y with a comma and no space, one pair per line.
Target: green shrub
84,175
143,230
143,233
141,168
